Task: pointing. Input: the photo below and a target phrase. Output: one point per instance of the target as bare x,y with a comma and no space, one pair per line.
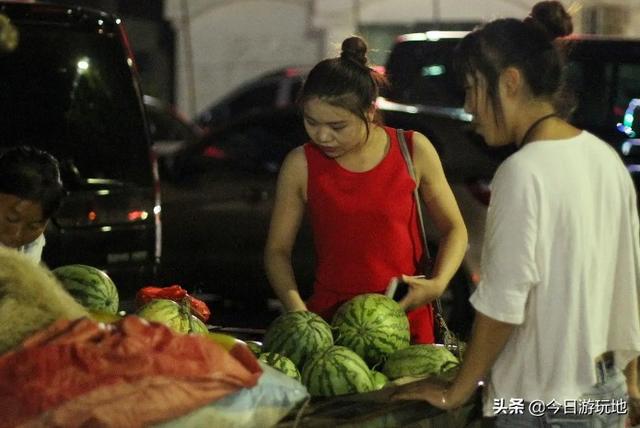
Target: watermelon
372,325
255,347
336,371
379,379
420,360
280,363
297,335
90,286
173,315
105,317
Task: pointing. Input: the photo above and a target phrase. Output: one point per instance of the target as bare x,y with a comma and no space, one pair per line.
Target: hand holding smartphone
397,288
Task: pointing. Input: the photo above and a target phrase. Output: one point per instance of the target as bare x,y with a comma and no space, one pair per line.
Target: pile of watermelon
366,346
95,290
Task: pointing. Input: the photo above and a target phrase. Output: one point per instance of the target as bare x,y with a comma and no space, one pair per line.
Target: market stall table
375,409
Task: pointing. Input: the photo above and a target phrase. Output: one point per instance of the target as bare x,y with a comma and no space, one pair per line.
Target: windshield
420,72
70,92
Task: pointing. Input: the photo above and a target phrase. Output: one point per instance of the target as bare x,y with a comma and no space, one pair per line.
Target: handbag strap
416,195
449,337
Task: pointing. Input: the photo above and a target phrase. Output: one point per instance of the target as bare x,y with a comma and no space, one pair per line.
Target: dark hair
346,81
527,45
32,174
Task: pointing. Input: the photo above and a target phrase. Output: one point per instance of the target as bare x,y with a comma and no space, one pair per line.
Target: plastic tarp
133,373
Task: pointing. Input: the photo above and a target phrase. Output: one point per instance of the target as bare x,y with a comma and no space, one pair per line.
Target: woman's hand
433,391
421,291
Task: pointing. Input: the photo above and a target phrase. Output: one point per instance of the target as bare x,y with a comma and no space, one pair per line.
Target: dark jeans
613,388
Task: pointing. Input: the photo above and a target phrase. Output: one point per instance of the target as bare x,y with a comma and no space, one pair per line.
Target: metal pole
436,13
188,56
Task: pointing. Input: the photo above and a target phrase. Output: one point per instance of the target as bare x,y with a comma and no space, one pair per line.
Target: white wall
408,11
234,41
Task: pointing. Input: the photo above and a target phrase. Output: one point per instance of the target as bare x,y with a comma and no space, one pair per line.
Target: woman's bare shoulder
296,160
423,149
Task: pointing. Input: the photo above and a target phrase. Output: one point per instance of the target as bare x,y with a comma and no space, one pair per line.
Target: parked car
224,195
69,86
603,75
268,94
172,134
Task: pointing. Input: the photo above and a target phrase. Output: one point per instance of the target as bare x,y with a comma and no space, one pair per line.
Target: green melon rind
281,363
297,335
372,325
380,380
336,371
90,286
419,360
172,315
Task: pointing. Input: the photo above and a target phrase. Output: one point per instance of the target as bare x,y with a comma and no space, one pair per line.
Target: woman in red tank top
354,182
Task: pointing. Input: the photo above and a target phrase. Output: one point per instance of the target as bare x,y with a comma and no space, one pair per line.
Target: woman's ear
371,112
511,81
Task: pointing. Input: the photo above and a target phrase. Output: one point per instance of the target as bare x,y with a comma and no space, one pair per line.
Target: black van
603,78
68,84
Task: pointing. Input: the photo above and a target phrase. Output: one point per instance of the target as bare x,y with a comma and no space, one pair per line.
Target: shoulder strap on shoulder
405,153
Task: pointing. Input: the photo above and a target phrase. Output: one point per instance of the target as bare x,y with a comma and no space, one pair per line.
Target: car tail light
214,152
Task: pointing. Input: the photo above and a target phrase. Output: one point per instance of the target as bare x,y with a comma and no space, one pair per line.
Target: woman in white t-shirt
30,192
557,314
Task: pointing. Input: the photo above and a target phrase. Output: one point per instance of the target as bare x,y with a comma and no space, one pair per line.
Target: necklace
533,126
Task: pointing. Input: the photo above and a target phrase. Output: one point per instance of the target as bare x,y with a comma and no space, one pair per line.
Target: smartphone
397,289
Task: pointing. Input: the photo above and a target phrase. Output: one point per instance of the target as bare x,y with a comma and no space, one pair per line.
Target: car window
254,98
75,91
591,82
603,91
421,73
628,87
165,127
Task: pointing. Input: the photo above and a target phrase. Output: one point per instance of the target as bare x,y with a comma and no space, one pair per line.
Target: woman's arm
488,339
631,372
285,222
442,209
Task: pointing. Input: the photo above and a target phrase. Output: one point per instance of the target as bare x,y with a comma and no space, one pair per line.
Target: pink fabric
79,373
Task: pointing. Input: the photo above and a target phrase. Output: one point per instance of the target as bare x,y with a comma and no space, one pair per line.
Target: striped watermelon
174,315
420,360
297,335
336,371
372,325
280,363
90,286
255,347
380,380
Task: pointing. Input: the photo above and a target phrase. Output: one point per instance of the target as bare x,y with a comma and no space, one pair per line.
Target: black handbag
442,332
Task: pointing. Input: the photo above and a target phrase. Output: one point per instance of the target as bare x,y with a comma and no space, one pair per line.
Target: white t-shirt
561,259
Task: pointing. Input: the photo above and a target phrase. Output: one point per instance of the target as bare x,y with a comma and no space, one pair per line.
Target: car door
217,215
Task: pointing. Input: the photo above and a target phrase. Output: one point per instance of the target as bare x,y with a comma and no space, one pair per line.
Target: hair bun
552,16
355,49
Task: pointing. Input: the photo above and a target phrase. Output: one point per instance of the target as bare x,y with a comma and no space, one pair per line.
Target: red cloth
134,373
365,230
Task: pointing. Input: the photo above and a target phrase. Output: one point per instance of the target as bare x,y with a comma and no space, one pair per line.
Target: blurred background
194,52
220,77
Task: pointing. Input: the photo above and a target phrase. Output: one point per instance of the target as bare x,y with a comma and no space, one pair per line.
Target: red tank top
365,230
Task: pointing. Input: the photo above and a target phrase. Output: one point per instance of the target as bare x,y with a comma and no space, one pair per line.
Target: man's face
21,221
